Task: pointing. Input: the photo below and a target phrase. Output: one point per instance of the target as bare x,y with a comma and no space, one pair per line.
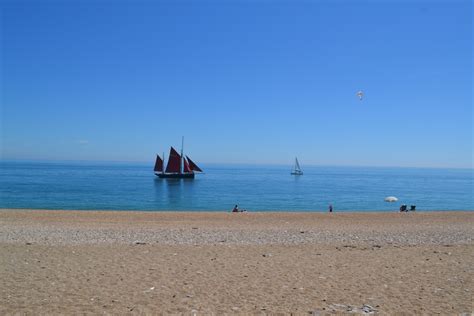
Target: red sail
174,162
158,164
186,167
193,166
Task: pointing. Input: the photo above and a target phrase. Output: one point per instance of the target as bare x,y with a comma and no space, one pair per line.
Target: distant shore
128,262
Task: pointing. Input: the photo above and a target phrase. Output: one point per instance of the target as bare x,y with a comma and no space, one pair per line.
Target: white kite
360,94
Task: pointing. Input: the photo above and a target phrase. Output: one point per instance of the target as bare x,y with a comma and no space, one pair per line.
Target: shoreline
229,211
208,228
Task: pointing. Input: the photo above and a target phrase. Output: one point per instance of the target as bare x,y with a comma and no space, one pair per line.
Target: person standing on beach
330,208
236,209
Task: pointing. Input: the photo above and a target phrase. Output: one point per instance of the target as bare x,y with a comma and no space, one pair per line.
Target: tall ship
179,166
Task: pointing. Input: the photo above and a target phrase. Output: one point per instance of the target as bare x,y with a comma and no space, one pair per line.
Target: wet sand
69,262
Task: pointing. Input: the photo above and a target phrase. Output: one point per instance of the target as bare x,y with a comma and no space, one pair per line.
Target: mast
181,170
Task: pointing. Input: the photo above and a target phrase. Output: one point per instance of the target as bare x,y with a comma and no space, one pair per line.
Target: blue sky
243,81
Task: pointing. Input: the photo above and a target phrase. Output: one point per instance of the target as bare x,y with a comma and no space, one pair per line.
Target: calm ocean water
115,186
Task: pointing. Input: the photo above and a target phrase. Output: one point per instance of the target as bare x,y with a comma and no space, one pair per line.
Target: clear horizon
151,163
245,83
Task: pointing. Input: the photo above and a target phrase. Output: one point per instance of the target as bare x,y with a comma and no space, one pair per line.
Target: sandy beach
69,262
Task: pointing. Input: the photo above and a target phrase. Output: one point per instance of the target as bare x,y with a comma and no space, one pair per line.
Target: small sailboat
179,166
297,169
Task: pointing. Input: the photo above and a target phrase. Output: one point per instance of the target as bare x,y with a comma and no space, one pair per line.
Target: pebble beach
121,262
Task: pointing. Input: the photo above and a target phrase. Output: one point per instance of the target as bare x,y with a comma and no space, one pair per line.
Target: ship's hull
175,175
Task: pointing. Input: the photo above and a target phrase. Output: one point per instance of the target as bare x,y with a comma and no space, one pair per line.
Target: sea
133,186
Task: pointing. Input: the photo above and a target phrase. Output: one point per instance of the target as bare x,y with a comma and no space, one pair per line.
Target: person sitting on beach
236,209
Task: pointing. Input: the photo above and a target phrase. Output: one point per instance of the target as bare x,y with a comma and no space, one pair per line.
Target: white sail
297,165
